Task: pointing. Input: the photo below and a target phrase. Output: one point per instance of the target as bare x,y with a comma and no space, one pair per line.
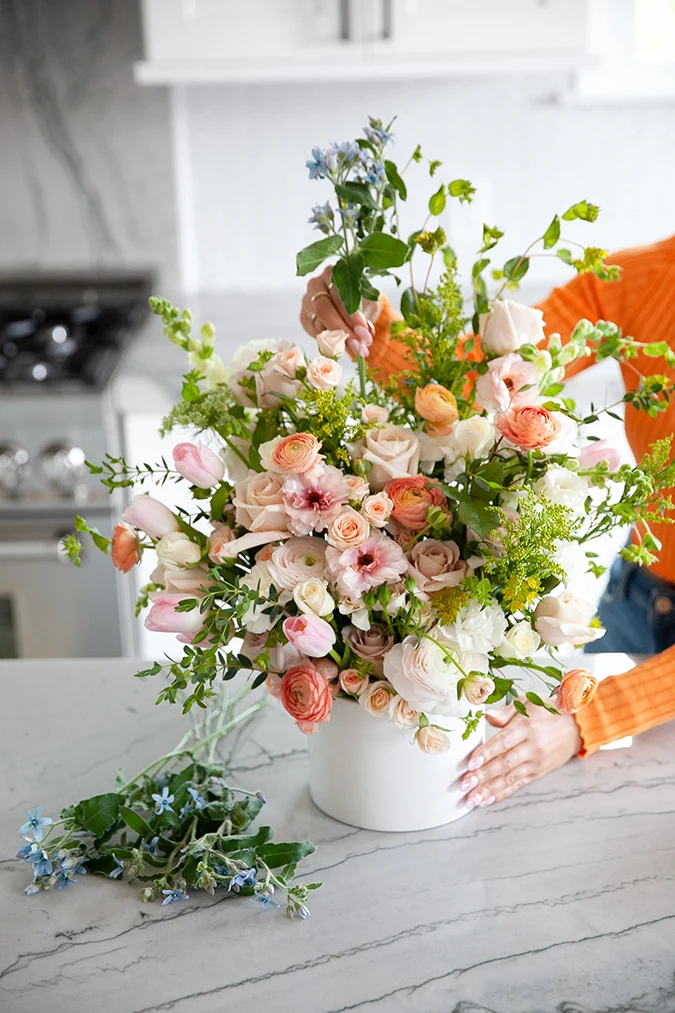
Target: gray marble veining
561,900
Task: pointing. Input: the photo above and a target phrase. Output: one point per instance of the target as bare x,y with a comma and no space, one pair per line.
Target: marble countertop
560,900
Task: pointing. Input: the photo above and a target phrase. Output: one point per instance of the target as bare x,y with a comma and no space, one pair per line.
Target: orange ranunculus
576,690
124,550
528,426
412,496
295,454
438,406
306,695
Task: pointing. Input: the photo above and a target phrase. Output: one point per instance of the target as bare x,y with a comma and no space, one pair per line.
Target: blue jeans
638,612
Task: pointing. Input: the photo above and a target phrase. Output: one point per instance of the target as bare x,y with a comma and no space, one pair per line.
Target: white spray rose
175,550
509,325
520,642
312,596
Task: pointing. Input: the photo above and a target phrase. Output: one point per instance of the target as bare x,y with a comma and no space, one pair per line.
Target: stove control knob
13,467
63,465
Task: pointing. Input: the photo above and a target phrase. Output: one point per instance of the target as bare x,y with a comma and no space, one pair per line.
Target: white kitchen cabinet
193,41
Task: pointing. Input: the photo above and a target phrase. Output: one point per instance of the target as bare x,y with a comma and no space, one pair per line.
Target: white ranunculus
508,325
357,612
565,620
476,628
423,675
312,596
560,485
520,642
176,550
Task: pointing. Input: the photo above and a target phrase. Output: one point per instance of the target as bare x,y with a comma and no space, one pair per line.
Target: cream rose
402,714
520,642
392,451
278,376
508,325
176,550
324,373
477,688
377,509
375,413
435,565
358,488
347,530
472,438
377,698
432,740
313,596
258,502
332,342
565,620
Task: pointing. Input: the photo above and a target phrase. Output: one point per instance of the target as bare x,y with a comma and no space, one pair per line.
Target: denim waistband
641,583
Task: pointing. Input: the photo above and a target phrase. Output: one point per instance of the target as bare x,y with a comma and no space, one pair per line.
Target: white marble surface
561,900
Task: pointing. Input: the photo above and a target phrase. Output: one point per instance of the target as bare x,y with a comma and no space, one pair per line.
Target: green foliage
313,255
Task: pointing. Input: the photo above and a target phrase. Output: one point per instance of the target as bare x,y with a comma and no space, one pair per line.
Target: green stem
447,653
361,364
235,450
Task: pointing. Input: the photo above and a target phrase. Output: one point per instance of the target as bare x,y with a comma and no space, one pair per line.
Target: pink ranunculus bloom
501,387
314,500
309,634
528,427
597,451
124,550
151,516
306,696
198,465
163,618
379,560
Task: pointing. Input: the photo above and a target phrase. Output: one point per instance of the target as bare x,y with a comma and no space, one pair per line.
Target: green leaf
502,687
347,276
449,258
437,201
237,842
314,254
276,855
395,179
478,515
461,188
99,813
516,268
380,250
368,291
537,700
656,349
410,304
218,501
491,237
552,234
565,256
357,193
479,266
136,823
521,708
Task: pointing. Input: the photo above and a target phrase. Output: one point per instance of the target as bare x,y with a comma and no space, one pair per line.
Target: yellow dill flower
448,602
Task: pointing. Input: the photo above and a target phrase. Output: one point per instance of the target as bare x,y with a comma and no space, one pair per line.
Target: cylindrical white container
365,771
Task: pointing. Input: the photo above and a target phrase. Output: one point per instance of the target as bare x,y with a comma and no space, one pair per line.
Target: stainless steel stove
55,414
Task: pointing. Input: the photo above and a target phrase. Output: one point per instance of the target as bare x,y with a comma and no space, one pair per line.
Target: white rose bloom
175,551
560,485
257,579
477,629
248,353
565,620
432,449
392,451
312,596
474,437
520,642
509,325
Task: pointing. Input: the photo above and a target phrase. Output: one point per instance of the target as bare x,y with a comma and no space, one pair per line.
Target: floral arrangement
401,544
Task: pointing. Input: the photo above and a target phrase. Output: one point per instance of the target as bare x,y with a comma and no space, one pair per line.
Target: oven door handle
39,548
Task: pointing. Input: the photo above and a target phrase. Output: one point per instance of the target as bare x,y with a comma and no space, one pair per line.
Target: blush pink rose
295,454
375,413
258,502
358,487
163,618
377,509
348,529
529,427
306,696
309,634
221,536
392,452
376,699
597,451
501,387
324,373
151,516
379,560
332,342
435,565
314,500
411,498
124,549
371,645
352,682
198,465
278,375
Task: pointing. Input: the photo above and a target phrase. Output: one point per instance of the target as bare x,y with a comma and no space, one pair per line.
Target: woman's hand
322,310
525,749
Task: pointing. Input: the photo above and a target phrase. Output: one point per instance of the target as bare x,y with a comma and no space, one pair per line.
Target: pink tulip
310,635
198,465
151,516
600,450
163,618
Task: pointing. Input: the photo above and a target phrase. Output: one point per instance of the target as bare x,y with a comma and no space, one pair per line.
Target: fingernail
363,333
475,762
371,326
488,801
468,783
474,801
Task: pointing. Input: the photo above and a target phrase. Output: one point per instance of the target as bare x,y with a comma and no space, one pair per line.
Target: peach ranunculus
306,696
391,451
432,740
324,373
291,455
351,681
358,488
435,565
576,689
412,496
528,427
332,343
377,509
437,406
348,529
377,698
370,645
124,548
258,502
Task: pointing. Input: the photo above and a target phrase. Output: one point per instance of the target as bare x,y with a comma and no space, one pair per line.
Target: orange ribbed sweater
642,304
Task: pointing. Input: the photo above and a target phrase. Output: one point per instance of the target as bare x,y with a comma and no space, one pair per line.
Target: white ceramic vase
365,771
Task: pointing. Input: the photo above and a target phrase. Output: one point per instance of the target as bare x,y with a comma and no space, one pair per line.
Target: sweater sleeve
630,703
388,354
